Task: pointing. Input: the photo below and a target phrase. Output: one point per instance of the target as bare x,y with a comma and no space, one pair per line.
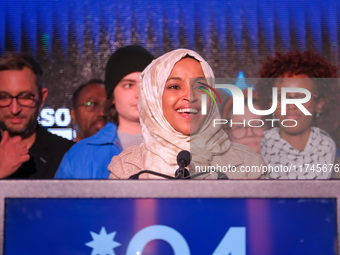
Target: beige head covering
162,141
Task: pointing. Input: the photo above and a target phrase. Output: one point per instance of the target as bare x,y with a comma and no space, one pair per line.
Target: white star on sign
103,243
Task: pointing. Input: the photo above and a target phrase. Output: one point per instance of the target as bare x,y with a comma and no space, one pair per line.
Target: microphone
136,176
220,176
183,160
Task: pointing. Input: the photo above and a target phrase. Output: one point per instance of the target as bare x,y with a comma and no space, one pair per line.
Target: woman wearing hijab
170,94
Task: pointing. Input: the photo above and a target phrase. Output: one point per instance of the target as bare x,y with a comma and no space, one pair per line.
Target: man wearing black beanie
89,158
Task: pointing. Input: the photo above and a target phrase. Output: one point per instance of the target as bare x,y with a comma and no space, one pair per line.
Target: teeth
188,110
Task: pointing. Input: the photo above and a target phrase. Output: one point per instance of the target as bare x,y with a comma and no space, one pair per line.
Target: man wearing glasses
27,150
87,111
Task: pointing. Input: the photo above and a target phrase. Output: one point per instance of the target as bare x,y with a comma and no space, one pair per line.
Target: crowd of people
146,111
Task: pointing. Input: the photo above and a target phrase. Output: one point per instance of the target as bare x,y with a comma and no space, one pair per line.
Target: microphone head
184,157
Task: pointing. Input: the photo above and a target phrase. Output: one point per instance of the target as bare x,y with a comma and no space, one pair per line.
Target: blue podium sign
181,226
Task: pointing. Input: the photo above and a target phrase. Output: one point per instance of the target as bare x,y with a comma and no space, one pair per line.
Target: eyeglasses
91,106
23,99
241,132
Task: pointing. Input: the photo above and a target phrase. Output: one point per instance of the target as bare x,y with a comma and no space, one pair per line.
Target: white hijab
162,141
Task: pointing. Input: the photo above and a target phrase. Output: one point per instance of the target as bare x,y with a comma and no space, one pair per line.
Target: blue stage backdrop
73,39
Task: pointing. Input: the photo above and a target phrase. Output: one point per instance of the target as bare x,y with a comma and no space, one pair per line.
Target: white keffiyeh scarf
162,141
314,162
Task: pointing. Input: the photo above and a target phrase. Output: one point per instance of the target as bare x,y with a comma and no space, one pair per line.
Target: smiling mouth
15,120
188,111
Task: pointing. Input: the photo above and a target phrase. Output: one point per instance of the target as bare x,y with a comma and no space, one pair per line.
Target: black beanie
125,60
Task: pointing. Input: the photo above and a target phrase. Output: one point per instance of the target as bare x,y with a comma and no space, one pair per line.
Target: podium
179,217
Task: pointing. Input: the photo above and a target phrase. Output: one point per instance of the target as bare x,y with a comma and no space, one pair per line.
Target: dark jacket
46,153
